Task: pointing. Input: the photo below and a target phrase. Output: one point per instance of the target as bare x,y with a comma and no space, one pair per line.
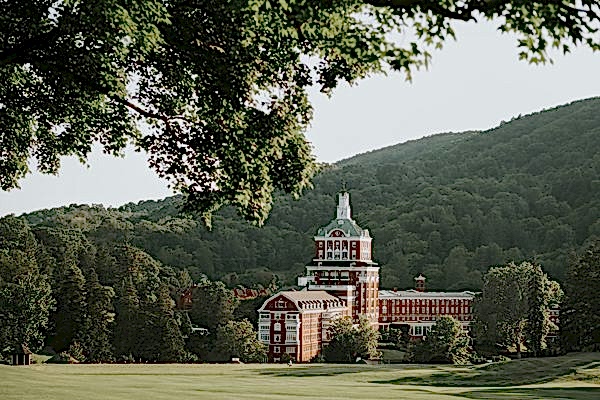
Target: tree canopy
348,341
580,312
447,342
215,91
512,309
447,206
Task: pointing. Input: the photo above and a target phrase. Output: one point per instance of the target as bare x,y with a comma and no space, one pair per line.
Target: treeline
448,206
512,315
109,301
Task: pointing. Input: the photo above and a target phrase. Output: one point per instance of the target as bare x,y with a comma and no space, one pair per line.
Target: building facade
343,265
418,309
343,280
296,323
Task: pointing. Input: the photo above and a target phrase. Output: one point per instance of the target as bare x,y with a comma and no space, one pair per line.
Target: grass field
576,376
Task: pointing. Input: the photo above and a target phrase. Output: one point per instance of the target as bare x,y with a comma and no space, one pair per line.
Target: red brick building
343,280
342,264
419,309
296,323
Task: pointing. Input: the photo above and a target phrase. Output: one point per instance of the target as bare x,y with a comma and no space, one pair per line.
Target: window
277,338
418,330
290,336
276,349
264,316
277,327
263,327
290,350
264,336
280,304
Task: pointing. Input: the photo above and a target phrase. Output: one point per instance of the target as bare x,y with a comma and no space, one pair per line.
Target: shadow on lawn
313,370
512,373
581,393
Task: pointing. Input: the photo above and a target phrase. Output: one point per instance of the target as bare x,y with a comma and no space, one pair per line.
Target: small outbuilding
21,355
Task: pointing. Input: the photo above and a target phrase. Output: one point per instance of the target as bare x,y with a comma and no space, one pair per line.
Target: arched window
277,327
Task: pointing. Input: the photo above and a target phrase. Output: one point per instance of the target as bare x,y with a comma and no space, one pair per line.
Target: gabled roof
308,299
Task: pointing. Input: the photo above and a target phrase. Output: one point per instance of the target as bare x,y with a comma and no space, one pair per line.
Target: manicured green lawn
575,376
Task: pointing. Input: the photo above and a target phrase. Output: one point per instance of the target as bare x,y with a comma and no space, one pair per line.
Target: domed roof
343,221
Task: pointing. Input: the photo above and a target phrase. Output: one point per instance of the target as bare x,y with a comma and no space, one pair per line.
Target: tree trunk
518,342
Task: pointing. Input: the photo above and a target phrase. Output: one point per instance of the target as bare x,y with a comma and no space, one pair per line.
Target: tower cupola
420,283
343,208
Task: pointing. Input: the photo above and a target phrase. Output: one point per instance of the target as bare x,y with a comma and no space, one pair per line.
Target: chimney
420,283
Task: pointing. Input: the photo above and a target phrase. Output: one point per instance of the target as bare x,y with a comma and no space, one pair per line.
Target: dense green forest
449,206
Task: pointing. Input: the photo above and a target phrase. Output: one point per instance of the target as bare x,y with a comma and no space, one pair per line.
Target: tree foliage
348,342
239,339
103,301
447,342
25,305
580,311
212,305
70,314
99,321
220,86
448,206
25,293
513,308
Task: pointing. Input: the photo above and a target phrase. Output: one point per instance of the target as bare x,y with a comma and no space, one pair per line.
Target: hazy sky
473,83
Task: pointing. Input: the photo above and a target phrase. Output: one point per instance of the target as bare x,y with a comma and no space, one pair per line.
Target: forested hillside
448,206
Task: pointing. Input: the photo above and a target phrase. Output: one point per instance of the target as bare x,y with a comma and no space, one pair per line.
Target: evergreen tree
167,338
96,334
580,311
18,249
127,321
68,318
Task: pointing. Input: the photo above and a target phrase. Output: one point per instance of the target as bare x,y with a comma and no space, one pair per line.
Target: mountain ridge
447,205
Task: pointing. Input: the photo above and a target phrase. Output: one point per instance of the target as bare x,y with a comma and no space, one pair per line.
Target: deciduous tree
447,342
24,308
512,308
221,85
347,341
212,305
239,339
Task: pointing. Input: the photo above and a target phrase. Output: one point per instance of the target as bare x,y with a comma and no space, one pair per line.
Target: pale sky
472,84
